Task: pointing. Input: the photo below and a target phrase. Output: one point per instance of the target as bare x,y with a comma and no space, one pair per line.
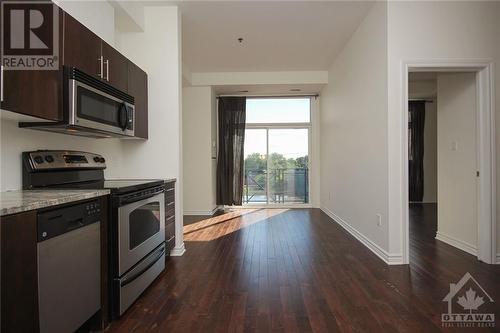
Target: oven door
93,108
141,229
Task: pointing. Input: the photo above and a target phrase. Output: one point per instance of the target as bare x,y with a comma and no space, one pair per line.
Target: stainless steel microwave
91,108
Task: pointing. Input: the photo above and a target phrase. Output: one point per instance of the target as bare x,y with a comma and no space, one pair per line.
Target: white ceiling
278,35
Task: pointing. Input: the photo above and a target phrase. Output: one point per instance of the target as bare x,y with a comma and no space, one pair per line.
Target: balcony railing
286,186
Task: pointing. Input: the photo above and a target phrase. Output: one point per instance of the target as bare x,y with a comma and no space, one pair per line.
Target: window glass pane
95,107
278,110
288,166
254,183
144,222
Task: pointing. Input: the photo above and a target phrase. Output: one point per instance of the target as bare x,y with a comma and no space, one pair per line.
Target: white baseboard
201,212
178,251
455,242
388,258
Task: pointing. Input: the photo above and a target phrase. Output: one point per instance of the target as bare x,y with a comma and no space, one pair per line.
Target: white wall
426,89
430,153
199,131
258,78
125,158
497,119
457,209
436,31
98,16
353,134
157,51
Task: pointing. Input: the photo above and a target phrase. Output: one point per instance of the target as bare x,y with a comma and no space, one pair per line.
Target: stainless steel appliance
69,266
137,217
141,228
91,108
139,235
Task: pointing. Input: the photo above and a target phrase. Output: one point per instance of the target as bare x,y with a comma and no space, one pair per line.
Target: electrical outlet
379,220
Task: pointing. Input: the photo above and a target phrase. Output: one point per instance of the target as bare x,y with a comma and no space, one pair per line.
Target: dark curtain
416,123
232,115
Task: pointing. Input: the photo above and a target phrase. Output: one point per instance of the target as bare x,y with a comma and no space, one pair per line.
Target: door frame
485,115
313,140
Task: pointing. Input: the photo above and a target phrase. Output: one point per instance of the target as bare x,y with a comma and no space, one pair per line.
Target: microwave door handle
123,122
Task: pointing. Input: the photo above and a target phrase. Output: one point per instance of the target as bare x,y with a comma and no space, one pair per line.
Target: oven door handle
135,275
124,200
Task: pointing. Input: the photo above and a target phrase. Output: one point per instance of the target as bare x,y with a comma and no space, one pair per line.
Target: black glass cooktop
117,186
124,183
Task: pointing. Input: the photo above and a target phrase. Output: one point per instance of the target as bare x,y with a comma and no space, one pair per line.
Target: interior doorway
449,179
442,159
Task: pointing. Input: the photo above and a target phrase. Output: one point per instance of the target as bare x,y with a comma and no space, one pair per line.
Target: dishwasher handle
74,224
59,221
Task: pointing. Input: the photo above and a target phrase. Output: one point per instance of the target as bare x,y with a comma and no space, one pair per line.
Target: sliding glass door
277,151
288,165
255,182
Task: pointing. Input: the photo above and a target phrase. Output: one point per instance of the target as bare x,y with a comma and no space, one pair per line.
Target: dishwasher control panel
62,220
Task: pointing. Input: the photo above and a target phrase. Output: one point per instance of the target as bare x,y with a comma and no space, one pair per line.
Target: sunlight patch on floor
222,225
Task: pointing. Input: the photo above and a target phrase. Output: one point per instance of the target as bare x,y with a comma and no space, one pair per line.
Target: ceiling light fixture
240,40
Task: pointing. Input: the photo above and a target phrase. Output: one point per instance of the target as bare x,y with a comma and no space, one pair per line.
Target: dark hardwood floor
298,271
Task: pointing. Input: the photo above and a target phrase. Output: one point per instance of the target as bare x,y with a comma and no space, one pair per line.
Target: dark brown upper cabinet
87,52
35,93
40,93
138,87
115,67
82,48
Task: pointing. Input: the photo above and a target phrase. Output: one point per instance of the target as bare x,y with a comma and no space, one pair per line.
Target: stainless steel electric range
136,232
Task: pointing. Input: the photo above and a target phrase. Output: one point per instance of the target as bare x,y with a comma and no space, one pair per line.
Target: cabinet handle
101,69
1,84
107,69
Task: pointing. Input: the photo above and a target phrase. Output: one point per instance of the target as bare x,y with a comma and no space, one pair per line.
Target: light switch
454,145
214,149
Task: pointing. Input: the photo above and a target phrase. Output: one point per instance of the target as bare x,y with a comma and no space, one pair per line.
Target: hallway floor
295,270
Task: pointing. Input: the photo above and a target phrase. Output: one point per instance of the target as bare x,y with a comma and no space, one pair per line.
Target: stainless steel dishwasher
69,266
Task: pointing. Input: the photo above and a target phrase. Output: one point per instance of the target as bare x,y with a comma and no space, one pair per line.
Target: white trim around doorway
486,198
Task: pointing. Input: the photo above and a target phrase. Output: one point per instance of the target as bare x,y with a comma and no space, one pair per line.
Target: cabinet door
19,272
82,48
115,67
169,216
138,87
34,93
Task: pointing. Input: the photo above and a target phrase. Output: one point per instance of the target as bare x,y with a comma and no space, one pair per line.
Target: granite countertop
12,202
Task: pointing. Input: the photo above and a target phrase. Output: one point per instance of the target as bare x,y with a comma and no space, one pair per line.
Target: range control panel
64,159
